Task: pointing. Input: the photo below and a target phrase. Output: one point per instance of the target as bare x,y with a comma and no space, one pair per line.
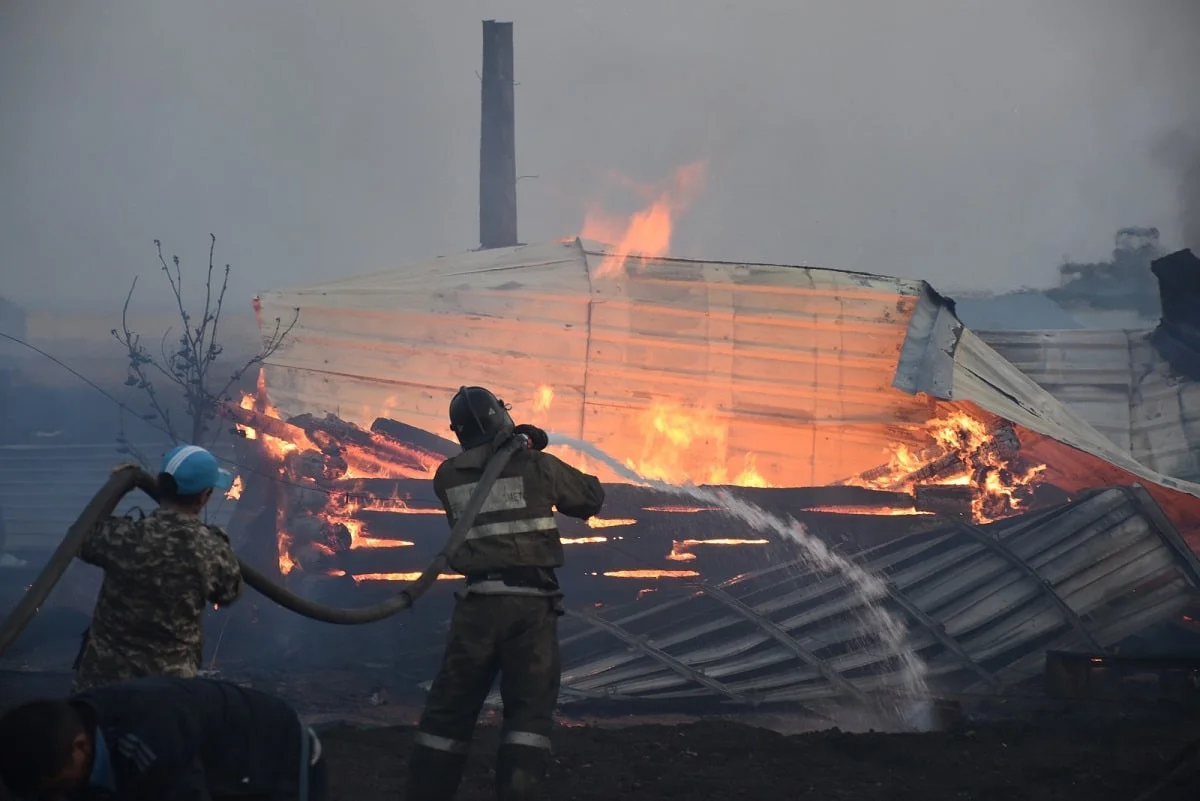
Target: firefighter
506,620
160,738
160,574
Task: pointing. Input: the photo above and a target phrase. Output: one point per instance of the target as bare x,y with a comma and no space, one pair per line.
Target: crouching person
160,739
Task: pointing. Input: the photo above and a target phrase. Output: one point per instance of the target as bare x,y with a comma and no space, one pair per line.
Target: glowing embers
960,450
681,550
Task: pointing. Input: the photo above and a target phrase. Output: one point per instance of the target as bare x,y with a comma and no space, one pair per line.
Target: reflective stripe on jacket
515,527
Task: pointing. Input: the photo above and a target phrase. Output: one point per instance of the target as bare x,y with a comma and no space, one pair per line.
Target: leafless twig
189,362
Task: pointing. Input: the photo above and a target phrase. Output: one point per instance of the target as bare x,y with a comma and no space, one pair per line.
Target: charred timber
949,465
392,526
272,426
954,500
940,459
331,434
417,492
411,436
357,561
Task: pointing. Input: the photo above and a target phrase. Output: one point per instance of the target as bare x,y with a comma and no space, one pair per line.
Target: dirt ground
721,760
1052,753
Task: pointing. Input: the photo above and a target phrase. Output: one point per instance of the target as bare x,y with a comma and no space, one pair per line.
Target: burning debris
356,503
971,468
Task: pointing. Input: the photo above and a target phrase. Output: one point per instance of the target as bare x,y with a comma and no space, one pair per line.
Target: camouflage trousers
100,663
515,636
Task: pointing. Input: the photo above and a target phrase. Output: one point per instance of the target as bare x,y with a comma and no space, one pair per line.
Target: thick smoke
1179,152
1170,41
1190,191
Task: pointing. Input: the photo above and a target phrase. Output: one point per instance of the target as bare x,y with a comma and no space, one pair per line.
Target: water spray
870,589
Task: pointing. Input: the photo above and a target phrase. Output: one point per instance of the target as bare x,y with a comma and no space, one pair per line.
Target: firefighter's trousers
515,636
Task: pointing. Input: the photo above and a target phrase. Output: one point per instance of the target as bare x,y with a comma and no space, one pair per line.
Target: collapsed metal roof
815,372
982,605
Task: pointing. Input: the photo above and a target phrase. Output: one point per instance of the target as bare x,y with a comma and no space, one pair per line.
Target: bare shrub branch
186,362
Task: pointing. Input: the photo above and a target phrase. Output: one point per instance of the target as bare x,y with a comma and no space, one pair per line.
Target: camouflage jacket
515,528
160,573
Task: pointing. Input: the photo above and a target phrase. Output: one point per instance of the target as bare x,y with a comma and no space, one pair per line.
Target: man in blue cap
160,574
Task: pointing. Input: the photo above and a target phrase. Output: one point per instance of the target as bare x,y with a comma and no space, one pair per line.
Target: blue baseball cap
195,470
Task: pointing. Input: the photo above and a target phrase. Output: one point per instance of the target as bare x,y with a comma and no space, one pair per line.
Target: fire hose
104,503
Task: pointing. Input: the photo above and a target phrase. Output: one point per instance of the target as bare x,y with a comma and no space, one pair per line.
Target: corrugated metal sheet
795,363
1118,382
44,488
816,373
981,605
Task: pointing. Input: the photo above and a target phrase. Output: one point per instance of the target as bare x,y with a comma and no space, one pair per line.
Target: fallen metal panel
986,631
1119,382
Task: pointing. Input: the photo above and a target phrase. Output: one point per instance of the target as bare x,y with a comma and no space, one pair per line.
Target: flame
601,522
348,460
650,574
235,490
866,510
642,593
361,577
283,542
341,508
543,398
680,509
680,553
581,540
647,234
681,446
963,451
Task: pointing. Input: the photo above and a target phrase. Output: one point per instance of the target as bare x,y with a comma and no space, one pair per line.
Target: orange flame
681,509
361,577
968,453
647,234
582,540
650,574
341,508
680,553
866,510
601,522
689,445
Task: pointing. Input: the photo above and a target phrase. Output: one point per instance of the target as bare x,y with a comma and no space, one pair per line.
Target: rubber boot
433,775
520,771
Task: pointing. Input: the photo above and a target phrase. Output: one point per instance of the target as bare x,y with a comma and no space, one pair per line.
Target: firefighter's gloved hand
538,440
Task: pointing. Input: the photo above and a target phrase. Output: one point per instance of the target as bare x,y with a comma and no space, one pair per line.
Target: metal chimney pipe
497,140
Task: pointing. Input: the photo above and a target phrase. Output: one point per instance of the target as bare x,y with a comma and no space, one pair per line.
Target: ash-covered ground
724,759
1010,750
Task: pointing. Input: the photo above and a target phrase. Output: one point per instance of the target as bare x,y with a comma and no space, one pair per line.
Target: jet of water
867,587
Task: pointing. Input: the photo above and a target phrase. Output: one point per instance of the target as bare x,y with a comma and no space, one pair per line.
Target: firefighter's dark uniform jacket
505,623
173,739
514,536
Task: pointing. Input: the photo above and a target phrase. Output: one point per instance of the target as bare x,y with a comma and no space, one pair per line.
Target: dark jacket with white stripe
515,528
172,739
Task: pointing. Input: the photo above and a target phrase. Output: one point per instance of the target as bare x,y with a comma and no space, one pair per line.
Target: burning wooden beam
415,437
945,499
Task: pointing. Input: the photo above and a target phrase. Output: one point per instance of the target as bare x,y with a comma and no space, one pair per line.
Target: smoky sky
970,143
